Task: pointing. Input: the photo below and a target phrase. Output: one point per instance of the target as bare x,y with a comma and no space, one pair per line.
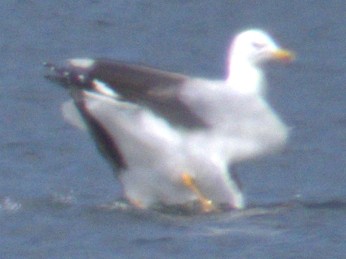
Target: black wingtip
65,76
56,74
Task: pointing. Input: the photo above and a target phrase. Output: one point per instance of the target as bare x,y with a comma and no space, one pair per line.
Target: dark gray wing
105,141
155,89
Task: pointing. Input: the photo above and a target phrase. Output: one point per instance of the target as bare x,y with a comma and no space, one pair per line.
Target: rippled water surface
57,195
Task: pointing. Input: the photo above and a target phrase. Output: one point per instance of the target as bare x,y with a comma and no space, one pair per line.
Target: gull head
249,50
256,47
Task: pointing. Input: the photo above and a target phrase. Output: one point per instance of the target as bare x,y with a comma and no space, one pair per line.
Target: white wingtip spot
103,88
82,62
81,78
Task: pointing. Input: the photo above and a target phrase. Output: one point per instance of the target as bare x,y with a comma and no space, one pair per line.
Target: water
57,194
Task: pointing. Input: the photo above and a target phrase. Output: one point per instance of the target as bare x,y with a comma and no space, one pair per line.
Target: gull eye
258,45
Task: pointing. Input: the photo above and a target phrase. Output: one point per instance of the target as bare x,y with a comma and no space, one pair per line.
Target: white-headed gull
171,137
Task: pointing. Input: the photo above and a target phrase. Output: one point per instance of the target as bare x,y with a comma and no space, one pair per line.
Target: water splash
9,205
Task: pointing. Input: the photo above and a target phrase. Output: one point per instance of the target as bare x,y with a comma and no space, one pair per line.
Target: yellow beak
283,55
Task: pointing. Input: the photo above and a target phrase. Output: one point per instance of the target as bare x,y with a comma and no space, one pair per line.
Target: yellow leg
136,203
189,182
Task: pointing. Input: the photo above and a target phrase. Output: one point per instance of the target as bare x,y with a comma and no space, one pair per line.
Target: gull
171,138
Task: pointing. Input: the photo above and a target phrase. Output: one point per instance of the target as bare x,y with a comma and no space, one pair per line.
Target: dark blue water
57,194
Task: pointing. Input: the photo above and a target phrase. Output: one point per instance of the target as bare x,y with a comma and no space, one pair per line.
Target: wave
9,205
61,200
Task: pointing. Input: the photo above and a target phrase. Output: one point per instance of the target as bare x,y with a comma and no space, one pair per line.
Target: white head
248,51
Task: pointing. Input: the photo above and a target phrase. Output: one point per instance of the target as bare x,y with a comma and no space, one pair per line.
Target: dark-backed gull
171,137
